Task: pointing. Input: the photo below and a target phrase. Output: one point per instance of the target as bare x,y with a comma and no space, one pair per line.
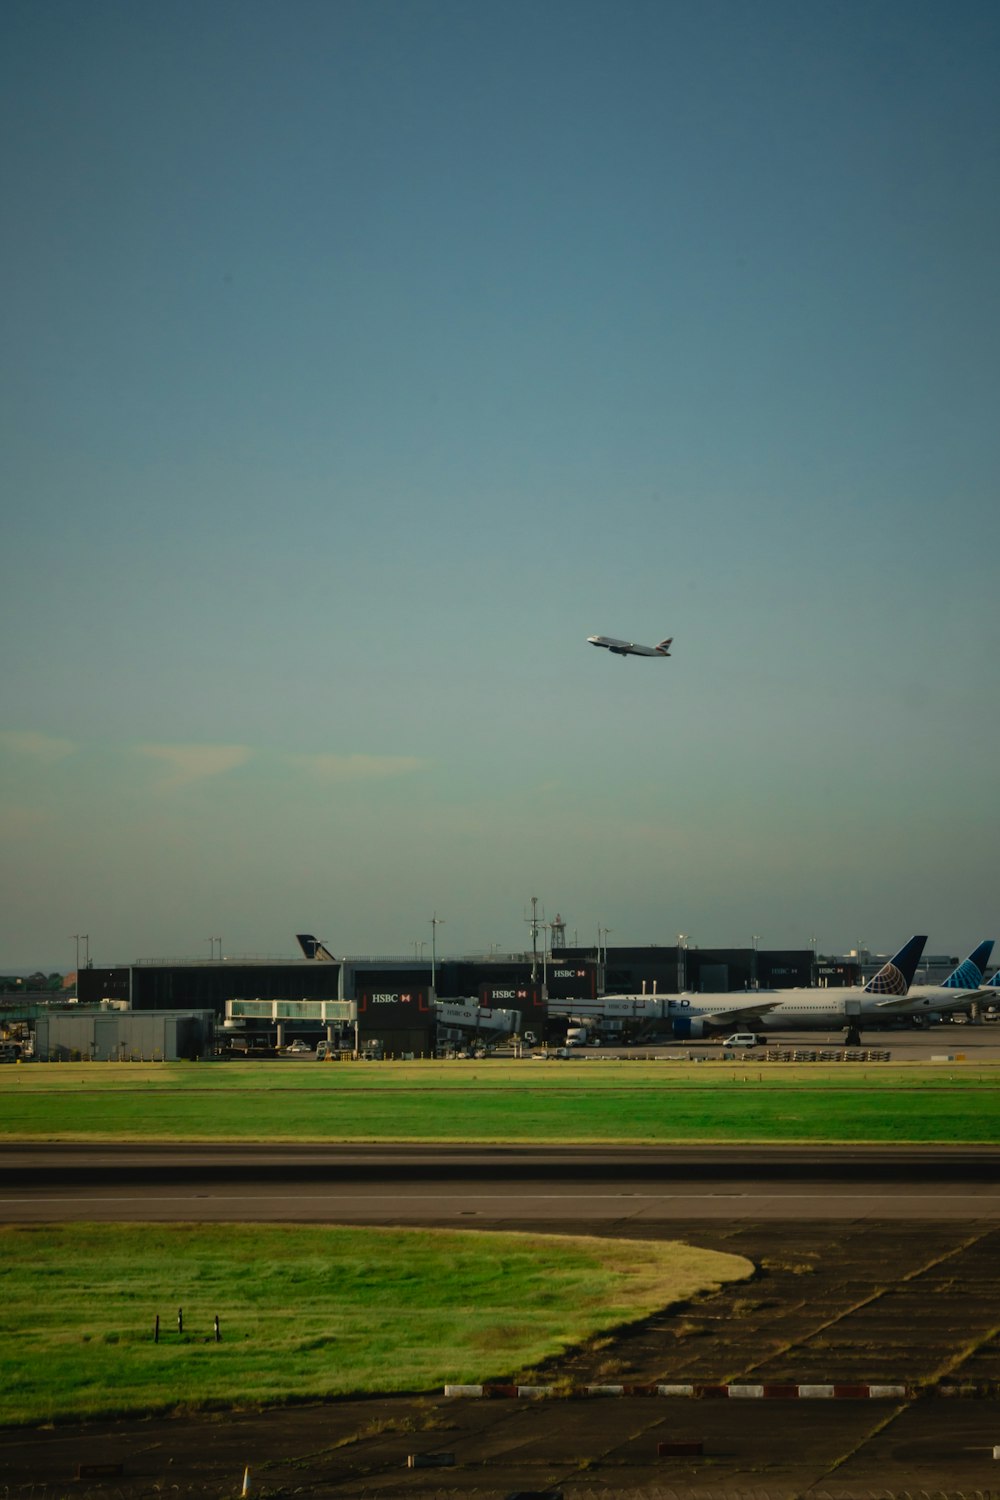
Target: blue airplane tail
895,977
969,974
313,948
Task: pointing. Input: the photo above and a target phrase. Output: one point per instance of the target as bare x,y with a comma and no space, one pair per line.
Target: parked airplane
962,986
806,1009
629,648
313,948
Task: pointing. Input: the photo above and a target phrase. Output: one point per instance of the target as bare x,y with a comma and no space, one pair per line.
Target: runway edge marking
786,1391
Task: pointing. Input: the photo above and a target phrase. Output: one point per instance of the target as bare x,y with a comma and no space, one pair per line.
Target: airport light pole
602,963
754,940
435,924
546,929
682,938
533,919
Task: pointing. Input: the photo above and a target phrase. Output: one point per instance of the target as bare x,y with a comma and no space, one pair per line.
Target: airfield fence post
156,1330
180,1320
218,1334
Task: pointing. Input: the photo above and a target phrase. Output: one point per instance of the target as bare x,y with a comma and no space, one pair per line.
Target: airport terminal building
389,1006
395,1006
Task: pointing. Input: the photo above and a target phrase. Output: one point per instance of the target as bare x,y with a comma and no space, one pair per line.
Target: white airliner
629,648
963,985
807,1009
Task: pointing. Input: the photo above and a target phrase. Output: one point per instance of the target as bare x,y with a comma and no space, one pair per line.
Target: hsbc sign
406,1001
567,980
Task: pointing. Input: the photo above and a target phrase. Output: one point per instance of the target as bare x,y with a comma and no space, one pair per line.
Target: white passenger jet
962,986
629,648
806,1009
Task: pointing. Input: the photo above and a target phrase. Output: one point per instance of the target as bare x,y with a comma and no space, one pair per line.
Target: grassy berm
305,1312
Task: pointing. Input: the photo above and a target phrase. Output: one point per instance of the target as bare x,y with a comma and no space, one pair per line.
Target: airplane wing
941,1001
733,1015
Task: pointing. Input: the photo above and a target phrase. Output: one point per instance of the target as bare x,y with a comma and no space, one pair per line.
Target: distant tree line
13,984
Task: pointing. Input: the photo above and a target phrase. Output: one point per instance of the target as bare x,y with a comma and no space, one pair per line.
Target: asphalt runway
574,1188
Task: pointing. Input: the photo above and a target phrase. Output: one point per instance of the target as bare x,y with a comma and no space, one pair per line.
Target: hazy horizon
362,359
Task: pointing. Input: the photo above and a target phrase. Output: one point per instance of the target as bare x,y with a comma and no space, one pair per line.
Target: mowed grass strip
305,1313
493,1101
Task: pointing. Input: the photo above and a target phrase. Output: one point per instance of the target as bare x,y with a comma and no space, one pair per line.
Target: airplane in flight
629,648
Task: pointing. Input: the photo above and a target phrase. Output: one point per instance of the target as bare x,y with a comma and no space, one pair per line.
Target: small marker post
246,1481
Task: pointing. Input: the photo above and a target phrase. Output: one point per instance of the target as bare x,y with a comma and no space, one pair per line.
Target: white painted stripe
887,1390
463,1390
740,1391
813,1391
988,1190
675,1390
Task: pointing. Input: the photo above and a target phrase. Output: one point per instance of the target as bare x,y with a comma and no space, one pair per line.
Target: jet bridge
474,1020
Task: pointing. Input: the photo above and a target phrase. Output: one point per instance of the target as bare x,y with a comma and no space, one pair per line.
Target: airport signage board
571,980
511,996
389,1007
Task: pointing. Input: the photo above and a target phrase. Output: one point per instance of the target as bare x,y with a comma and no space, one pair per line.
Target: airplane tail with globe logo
895,977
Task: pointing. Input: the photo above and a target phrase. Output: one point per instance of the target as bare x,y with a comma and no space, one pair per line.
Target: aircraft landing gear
853,1037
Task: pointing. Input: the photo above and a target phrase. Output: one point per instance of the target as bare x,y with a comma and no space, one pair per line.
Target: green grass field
597,1100
305,1312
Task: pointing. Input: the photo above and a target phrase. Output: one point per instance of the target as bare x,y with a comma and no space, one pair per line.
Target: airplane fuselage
628,648
815,1010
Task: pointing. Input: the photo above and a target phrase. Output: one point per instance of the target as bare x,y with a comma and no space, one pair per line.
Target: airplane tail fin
664,646
969,974
895,977
313,948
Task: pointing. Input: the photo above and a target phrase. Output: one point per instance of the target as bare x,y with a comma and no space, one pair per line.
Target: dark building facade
628,971
208,986
668,971
395,1015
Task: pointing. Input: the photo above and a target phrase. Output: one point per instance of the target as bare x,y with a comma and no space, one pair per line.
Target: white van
743,1039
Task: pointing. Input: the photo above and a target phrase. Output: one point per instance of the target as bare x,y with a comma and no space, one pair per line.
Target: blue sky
360,360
